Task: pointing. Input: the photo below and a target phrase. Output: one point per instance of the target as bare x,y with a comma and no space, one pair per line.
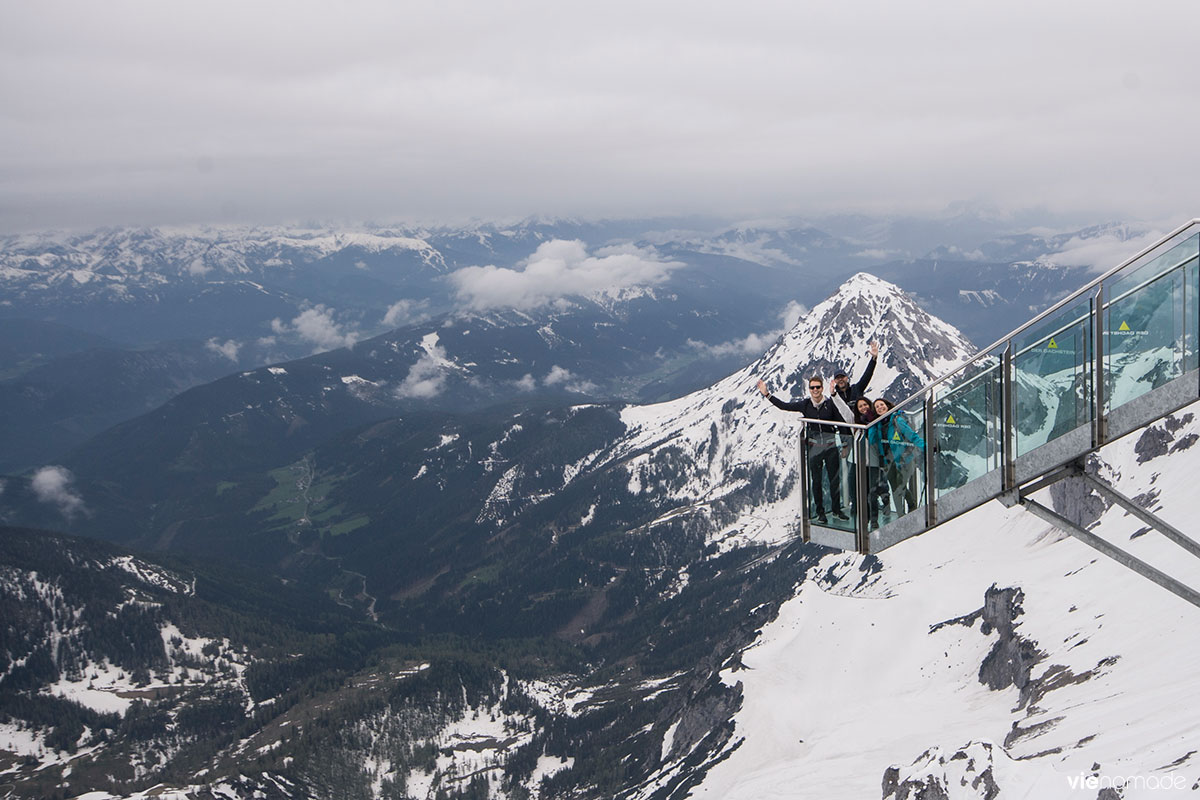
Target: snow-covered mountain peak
915,347
713,451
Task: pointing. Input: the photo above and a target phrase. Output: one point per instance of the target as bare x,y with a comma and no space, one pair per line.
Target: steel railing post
861,497
930,464
1099,426
1008,434
804,484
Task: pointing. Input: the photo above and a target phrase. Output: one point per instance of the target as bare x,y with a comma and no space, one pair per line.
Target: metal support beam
1112,551
1171,532
1069,471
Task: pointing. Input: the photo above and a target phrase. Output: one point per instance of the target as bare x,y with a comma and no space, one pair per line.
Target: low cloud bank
229,349
318,327
405,312
1106,251
755,344
557,376
568,380
559,269
427,377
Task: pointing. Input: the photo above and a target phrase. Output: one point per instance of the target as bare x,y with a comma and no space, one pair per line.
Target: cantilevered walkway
1115,356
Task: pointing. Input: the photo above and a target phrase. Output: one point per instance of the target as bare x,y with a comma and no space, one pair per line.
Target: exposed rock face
1012,657
966,773
1153,442
1160,439
706,715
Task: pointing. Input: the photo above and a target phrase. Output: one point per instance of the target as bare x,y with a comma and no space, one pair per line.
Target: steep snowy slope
991,654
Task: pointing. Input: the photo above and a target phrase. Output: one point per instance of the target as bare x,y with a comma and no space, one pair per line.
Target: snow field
842,686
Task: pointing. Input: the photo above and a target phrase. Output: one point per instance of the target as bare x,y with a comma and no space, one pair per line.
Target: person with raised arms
824,463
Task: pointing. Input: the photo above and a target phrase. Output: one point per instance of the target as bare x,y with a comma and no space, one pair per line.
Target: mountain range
156,311
319,586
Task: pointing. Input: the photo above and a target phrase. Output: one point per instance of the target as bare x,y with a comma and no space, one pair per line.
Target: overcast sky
159,112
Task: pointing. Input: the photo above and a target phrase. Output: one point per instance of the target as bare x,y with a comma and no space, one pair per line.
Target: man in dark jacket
822,443
851,394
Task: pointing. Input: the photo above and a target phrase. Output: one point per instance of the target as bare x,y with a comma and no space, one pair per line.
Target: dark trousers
903,479
878,493
823,460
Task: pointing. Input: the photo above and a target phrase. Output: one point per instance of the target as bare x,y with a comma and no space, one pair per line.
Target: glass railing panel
1152,266
875,495
856,452
1191,315
1051,377
898,442
966,422
830,476
1145,337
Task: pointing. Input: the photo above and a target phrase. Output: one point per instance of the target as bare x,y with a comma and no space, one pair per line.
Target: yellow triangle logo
1124,326
950,420
1053,344
896,436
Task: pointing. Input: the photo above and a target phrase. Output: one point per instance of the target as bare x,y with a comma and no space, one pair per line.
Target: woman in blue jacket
901,450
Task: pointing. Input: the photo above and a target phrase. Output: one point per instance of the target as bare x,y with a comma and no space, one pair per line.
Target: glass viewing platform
1109,359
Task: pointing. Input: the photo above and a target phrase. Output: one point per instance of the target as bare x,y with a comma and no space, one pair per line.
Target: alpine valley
545,547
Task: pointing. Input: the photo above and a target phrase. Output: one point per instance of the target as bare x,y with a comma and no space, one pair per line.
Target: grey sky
144,113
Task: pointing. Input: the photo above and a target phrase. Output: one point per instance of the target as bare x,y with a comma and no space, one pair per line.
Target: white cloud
1101,253
756,343
404,312
582,387
229,349
527,383
318,327
557,374
54,485
426,378
558,269
561,375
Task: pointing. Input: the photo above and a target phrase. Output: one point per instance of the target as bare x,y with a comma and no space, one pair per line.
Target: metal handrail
839,423
1077,294
851,425
1164,273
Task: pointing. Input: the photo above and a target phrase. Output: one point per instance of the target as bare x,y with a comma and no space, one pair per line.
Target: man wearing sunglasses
822,443
841,381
